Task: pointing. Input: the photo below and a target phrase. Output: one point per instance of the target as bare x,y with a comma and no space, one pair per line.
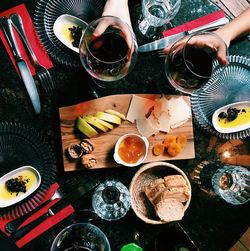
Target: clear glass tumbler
155,13
81,237
232,183
111,200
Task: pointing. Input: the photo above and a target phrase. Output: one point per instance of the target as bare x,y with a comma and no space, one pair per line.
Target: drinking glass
111,200
232,183
188,66
82,237
112,55
155,13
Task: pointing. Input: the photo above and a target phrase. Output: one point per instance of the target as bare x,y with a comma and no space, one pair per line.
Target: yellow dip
26,174
242,119
66,32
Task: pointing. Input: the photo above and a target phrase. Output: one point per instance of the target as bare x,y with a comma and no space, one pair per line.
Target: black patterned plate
46,13
19,146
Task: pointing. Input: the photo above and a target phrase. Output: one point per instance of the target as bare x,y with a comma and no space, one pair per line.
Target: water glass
232,183
111,200
156,13
82,237
110,56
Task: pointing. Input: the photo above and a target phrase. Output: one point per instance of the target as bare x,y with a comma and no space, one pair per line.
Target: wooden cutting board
104,142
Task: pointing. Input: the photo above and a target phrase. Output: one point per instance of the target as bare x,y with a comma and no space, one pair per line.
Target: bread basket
146,174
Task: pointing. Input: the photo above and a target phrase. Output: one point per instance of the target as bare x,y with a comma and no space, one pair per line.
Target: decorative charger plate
46,13
228,84
19,146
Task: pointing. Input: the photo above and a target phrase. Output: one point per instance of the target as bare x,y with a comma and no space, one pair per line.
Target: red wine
109,47
107,57
199,61
194,71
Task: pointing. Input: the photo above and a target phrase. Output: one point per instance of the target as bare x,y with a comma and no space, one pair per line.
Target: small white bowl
60,29
233,128
6,199
119,160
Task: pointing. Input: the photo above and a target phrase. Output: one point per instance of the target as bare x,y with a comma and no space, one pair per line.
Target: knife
21,64
166,41
65,201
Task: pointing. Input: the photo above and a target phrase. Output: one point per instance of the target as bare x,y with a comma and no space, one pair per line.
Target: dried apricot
174,149
169,139
181,140
158,149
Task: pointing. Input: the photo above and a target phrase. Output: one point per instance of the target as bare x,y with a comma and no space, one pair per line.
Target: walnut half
75,151
89,160
86,146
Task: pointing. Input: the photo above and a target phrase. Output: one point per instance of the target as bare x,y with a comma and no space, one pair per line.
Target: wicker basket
147,173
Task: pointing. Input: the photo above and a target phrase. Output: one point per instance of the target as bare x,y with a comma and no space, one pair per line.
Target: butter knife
22,65
164,42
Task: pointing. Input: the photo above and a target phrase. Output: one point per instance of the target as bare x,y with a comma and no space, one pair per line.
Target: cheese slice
138,108
179,111
147,126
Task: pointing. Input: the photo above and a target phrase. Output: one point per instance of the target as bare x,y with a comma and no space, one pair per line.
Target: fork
161,54
42,73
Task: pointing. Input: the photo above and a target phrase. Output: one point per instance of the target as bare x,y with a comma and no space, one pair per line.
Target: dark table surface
210,222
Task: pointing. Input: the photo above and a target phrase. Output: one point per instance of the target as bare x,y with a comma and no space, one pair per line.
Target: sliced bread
174,181
169,210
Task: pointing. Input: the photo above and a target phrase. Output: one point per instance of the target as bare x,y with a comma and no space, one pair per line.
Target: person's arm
117,8
234,29
239,26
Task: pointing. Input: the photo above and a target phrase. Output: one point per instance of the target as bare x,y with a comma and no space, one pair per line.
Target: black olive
76,33
232,116
222,115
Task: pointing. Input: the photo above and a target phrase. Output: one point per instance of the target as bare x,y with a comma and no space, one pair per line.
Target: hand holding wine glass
110,56
189,64
205,40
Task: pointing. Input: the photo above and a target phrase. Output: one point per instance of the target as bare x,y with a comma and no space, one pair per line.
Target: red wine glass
110,56
189,65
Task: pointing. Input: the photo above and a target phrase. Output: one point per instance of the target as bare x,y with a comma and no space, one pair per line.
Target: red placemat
32,37
195,23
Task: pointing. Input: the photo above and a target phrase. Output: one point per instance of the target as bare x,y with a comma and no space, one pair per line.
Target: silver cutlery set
42,73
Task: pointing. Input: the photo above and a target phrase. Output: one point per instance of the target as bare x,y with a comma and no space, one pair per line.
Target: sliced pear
94,121
118,114
108,117
104,123
85,128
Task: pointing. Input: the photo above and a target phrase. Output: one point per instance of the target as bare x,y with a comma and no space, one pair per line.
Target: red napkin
48,194
33,39
195,23
46,224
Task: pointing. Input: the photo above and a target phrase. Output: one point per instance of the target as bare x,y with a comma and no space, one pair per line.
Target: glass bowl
82,237
228,85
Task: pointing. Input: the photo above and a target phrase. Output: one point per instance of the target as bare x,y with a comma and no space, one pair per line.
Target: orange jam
131,149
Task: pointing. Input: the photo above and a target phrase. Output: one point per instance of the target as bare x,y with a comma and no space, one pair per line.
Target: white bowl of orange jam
131,150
